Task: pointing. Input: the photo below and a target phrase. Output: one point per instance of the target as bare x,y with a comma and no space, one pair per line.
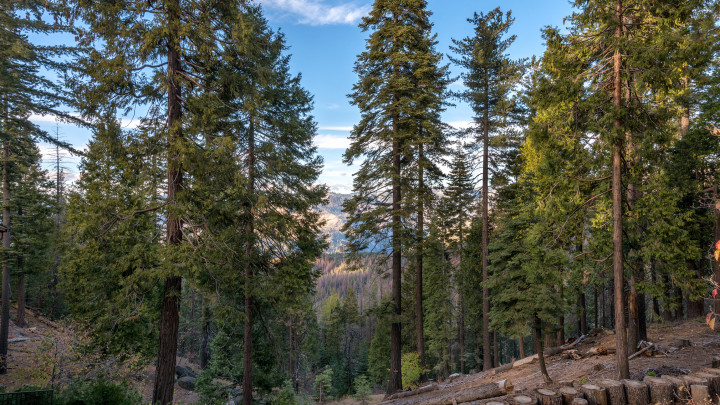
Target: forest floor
44,353
704,344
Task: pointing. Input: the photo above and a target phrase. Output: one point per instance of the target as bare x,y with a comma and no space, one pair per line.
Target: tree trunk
548,397
521,346
20,319
170,312
694,307
249,255
496,350
419,333
582,306
666,312
561,331
595,394
205,337
618,270
595,305
487,360
461,334
5,316
537,328
615,391
633,326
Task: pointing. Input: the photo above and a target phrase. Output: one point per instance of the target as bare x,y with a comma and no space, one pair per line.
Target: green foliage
363,390
99,392
412,370
323,385
379,353
284,396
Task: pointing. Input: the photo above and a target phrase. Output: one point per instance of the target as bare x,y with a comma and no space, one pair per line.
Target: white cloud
460,124
314,12
337,128
332,142
124,123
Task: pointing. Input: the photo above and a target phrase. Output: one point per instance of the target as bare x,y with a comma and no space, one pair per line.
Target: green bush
99,392
362,389
411,370
286,396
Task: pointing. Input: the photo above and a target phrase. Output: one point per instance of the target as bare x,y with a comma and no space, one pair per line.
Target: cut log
678,342
661,390
713,383
681,392
595,394
421,390
700,394
637,392
526,360
524,400
695,379
496,403
641,351
547,396
597,351
615,391
568,394
716,362
579,401
485,391
504,367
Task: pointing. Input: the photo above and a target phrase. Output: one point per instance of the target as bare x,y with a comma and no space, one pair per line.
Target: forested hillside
199,248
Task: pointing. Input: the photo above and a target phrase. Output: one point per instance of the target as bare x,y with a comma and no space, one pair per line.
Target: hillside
334,220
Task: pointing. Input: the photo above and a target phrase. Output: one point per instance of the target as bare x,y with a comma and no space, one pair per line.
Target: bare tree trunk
521,346
496,350
205,337
618,273
170,312
461,335
583,313
487,360
595,305
20,319
5,316
537,328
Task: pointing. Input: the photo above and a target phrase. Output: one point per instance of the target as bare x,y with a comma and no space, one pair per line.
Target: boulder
187,383
182,371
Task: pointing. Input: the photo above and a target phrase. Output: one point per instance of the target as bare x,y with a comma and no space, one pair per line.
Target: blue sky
324,41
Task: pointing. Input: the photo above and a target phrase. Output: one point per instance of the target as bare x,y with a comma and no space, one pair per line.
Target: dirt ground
43,353
704,345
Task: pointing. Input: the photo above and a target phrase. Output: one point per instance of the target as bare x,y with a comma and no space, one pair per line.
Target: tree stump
713,383
700,394
524,400
579,401
678,342
681,392
637,392
594,394
568,394
716,362
615,391
661,391
496,403
547,396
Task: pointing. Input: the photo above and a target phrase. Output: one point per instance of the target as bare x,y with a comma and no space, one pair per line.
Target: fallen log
504,367
615,391
641,351
661,390
637,392
548,397
405,394
489,391
579,401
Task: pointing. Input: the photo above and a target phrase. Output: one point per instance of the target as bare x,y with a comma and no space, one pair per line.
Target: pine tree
491,78
393,112
25,90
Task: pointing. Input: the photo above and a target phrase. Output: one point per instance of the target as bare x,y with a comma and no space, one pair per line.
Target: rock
187,383
182,371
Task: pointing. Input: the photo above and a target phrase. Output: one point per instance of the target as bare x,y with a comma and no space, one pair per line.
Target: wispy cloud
315,12
332,142
36,118
460,124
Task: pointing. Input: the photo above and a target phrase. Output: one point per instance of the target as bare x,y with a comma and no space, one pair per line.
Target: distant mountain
334,221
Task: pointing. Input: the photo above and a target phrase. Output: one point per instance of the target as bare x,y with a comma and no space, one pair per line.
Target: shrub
99,392
362,389
286,396
411,370
323,384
